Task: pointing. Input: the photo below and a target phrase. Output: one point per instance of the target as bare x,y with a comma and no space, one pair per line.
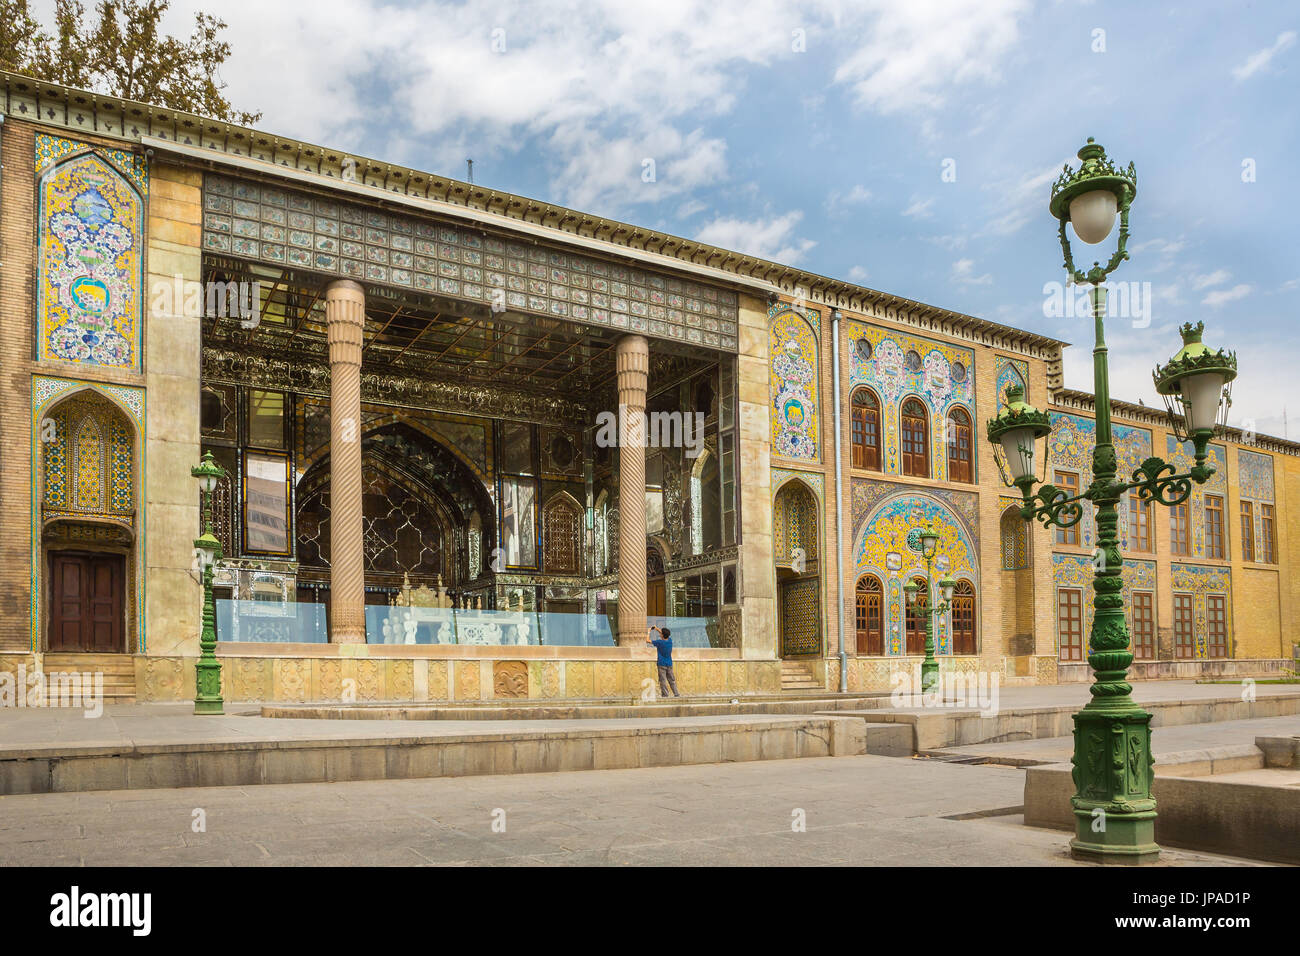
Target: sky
907,145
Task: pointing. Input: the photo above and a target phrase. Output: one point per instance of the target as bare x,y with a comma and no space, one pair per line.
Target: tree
122,53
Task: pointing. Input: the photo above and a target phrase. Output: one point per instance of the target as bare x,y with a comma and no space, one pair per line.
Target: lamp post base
1114,812
207,698
929,674
1128,840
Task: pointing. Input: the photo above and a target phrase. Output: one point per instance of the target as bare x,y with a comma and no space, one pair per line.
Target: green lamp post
207,696
925,542
1113,765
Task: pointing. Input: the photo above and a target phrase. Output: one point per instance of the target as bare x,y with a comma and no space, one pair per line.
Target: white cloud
1260,59
914,52
857,274
589,87
1217,277
1222,296
837,203
767,238
1022,200
963,273
920,209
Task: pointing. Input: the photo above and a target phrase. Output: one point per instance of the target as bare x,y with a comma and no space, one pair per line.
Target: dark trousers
666,680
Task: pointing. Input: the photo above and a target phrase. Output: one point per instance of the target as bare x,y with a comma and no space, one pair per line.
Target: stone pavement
1061,695
168,724
146,724
1164,740
858,811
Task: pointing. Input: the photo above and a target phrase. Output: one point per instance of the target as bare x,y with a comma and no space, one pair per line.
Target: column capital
345,318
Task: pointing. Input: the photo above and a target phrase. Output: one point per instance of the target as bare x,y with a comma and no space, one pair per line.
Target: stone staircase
118,671
798,676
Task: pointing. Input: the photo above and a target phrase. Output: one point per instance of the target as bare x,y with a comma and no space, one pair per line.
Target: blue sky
818,134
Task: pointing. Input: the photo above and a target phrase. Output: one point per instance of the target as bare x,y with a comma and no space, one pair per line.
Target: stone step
220,761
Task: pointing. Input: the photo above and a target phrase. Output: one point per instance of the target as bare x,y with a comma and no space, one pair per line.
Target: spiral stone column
633,363
345,313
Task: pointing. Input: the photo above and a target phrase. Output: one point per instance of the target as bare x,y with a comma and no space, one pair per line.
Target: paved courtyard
857,811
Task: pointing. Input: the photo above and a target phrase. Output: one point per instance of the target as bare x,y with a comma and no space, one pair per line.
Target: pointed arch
562,534
794,522
86,532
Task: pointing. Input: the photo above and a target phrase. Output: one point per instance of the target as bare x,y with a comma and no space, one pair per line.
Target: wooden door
86,602
656,604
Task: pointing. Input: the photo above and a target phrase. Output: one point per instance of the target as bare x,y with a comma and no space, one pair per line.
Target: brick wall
17,308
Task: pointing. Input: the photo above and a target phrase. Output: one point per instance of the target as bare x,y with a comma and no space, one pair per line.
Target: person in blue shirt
664,645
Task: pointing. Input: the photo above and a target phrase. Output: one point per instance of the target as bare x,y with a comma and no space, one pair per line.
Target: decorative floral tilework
91,225
1076,571
1070,449
1010,371
794,386
1255,475
898,366
1181,457
881,549
1202,581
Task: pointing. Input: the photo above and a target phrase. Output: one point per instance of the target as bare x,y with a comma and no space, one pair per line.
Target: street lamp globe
1016,433
1196,385
208,472
929,541
1093,215
946,585
1089,198
910,588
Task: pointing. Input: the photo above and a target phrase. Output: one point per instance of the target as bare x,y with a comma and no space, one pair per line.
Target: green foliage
122,52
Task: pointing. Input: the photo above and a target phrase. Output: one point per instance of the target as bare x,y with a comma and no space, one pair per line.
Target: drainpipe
839,503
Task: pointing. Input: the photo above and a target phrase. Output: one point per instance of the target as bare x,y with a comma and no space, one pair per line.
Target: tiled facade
89,227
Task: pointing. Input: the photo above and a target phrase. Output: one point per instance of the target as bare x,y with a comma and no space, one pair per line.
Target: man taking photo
664,645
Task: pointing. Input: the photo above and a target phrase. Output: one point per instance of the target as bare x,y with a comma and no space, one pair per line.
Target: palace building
409,382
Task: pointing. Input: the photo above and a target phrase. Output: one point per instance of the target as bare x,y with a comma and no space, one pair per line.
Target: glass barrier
274,622
689,631
420,625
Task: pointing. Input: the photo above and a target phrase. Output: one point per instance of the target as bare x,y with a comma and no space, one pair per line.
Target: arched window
866,430
916,439
959,446
561,527
963,618
916,618
870,615
1015,540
